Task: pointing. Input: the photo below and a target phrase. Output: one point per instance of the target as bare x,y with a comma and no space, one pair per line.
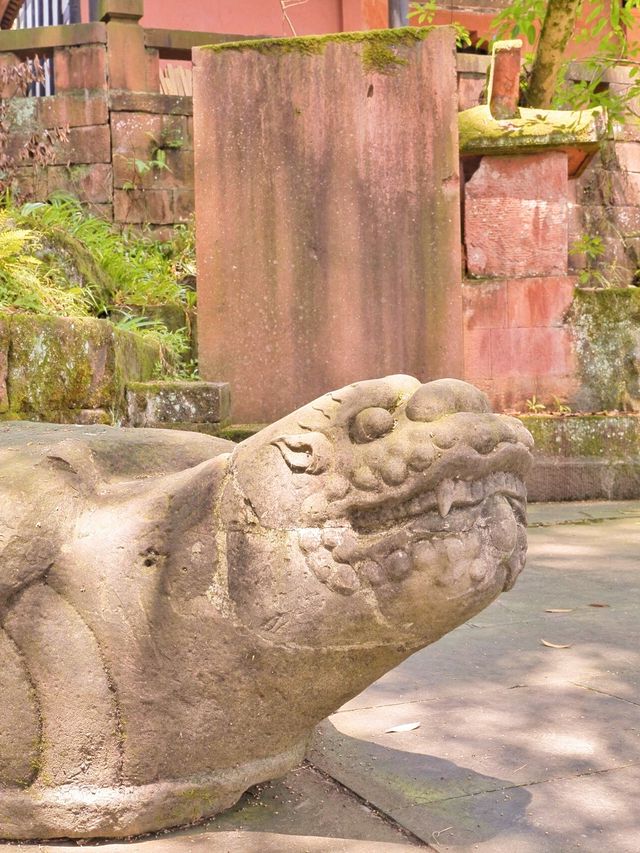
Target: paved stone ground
522,747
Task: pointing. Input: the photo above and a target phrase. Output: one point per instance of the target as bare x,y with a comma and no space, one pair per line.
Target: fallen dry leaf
405,727
559,610
599,605
556,645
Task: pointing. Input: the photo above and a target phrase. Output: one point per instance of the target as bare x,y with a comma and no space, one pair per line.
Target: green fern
57,259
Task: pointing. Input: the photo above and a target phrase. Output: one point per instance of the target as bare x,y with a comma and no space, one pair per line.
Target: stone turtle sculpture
177,612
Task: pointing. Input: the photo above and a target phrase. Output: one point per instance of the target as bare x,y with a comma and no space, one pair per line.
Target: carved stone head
388,497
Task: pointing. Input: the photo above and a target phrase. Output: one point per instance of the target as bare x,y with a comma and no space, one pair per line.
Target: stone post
130,66
504,81
328,211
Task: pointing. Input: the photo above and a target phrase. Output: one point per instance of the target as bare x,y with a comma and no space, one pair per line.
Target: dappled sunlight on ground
502,714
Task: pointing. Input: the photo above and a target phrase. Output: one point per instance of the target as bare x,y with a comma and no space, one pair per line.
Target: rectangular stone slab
328,213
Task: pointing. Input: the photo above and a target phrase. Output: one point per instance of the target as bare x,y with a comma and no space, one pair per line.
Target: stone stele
177,612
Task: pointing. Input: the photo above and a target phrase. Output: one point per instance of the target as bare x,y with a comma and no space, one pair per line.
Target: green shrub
55,258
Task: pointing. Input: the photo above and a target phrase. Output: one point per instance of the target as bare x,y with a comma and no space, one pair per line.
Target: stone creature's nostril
444,397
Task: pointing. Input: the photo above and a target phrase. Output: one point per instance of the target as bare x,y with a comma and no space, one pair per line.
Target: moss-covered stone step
584,457
68,369
195,406
582,435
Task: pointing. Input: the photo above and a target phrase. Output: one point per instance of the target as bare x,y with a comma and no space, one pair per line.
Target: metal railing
46,13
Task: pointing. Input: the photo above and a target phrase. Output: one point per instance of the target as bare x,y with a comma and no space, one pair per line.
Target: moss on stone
238,432
49,368
378,44
59,366
591,436
606,329
381,58
80,266
533,130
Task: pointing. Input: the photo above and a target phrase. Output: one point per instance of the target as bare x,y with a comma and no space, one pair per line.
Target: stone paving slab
521,747
586,813
570,568
508,737
571,512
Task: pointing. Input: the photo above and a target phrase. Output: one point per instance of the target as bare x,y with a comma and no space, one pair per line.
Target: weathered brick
177,174
470,91
153,207
91,183
31,183
477,354
627,155
515,237
531,351
88,145
510,393
104,211
152,71
484,305
127,58
175,131
533,302
516,216
84,145
532,176
73,109
183,204
610,187
135,134
152,404
22,115
13,88
549,389
143,206
82,67
151,102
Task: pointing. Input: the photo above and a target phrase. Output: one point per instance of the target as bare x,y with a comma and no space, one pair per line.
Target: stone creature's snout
458,417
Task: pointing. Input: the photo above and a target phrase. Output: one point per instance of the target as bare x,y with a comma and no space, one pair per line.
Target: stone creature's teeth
444,497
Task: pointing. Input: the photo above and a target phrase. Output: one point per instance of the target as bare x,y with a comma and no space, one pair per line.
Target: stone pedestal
327,204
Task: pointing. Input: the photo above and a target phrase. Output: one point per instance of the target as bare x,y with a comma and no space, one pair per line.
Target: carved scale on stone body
177,612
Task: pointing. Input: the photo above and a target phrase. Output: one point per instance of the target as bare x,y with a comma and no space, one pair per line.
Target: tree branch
559,23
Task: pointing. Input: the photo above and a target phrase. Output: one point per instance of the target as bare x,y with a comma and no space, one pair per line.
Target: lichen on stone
605,324
584,435
378,45
381,58
532,130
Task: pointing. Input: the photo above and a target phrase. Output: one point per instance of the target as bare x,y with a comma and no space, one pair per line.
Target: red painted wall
262,17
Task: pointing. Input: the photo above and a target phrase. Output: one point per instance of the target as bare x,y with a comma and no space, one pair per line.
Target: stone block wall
518,291
605,204
141,126
117,124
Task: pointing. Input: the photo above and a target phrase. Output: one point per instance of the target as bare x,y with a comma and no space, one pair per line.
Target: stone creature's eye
370,424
